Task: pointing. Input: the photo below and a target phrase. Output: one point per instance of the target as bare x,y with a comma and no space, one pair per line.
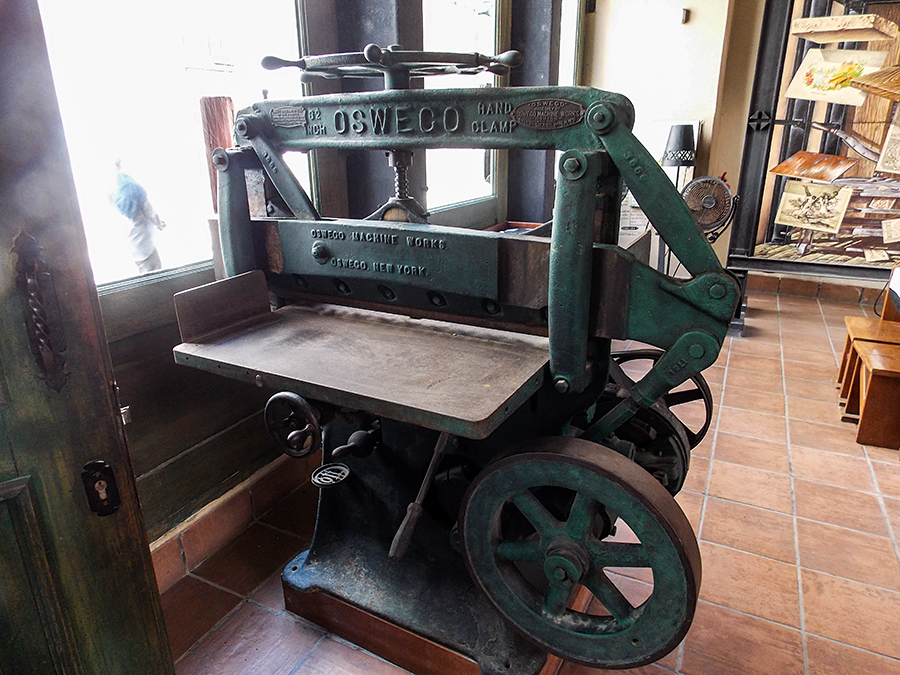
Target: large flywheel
561,513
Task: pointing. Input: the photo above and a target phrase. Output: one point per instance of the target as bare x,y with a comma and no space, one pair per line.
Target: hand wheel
396,65
293,424
697,390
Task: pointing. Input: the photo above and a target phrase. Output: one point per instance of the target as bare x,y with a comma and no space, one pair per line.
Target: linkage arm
689,319
664,207
697,312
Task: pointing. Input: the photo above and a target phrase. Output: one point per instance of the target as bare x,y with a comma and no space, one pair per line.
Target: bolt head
559,574
561,385
600,118
571,165
220,159
717,291
320,252
242,128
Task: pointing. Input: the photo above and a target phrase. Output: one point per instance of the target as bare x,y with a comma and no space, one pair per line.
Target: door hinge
41,313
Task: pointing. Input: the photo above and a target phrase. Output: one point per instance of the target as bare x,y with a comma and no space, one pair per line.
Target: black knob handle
360,444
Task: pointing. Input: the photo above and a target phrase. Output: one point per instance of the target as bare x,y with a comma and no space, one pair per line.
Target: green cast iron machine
495,478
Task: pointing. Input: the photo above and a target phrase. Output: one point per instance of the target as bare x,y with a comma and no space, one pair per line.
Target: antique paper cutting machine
495,468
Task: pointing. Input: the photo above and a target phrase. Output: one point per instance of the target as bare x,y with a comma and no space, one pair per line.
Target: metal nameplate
506,117
545,114
437,258
329,475
398,120
289,116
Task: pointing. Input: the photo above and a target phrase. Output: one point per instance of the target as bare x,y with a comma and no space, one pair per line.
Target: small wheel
293,424
697,390
534,529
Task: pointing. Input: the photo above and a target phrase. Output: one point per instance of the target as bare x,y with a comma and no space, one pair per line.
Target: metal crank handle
274,63
414,510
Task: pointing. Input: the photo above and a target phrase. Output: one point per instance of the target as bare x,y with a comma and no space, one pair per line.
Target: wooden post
217,114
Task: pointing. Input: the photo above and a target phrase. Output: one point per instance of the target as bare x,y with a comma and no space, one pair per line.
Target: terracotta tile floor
798,528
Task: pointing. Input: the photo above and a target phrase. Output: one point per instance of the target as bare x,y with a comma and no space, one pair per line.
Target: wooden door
77,593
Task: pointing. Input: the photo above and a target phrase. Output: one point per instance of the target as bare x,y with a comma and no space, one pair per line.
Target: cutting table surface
443,376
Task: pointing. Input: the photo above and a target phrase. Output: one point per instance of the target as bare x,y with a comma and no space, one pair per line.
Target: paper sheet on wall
825,75
876,255
812,206
890,230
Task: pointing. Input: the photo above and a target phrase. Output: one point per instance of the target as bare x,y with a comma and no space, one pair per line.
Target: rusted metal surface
443,376
428,592
510,520
222,306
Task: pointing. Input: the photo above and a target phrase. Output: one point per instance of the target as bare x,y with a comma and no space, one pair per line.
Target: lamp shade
680,149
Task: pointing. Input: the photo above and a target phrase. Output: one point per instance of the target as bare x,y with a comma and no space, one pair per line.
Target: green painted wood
173,408
19,651
174,491
7,462
139,305
101,566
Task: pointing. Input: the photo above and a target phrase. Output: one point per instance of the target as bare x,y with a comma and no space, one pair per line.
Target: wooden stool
862,329
874,393
886,330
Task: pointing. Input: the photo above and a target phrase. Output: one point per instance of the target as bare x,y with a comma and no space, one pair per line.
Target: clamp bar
571,253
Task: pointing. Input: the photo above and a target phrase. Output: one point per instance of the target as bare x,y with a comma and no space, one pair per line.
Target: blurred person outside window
130,199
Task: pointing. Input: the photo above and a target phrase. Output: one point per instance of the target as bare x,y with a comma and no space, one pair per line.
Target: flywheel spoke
680,397
618,554
535,512
558,593
581,517
521,551
608,594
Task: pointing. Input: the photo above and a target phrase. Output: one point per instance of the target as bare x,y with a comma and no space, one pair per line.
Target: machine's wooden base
406,649
389,641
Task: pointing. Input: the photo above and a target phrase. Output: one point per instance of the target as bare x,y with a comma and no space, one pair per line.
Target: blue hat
130,196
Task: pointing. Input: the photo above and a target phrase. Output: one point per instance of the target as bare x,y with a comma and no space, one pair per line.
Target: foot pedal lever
414,510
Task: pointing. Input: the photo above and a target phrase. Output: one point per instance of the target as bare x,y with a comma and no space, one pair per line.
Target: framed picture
812,206
825,75
889,162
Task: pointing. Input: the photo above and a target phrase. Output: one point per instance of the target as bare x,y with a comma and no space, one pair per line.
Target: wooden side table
867,330
875,393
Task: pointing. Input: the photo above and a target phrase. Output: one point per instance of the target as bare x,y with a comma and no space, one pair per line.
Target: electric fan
711,203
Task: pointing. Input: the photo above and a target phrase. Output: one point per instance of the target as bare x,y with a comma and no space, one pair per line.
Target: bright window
129,78
458,175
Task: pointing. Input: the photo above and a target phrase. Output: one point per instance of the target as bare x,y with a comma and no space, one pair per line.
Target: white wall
669,70
701,70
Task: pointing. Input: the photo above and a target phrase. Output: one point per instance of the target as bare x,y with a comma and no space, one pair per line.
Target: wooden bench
861,329
885,329
874,394
869,375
